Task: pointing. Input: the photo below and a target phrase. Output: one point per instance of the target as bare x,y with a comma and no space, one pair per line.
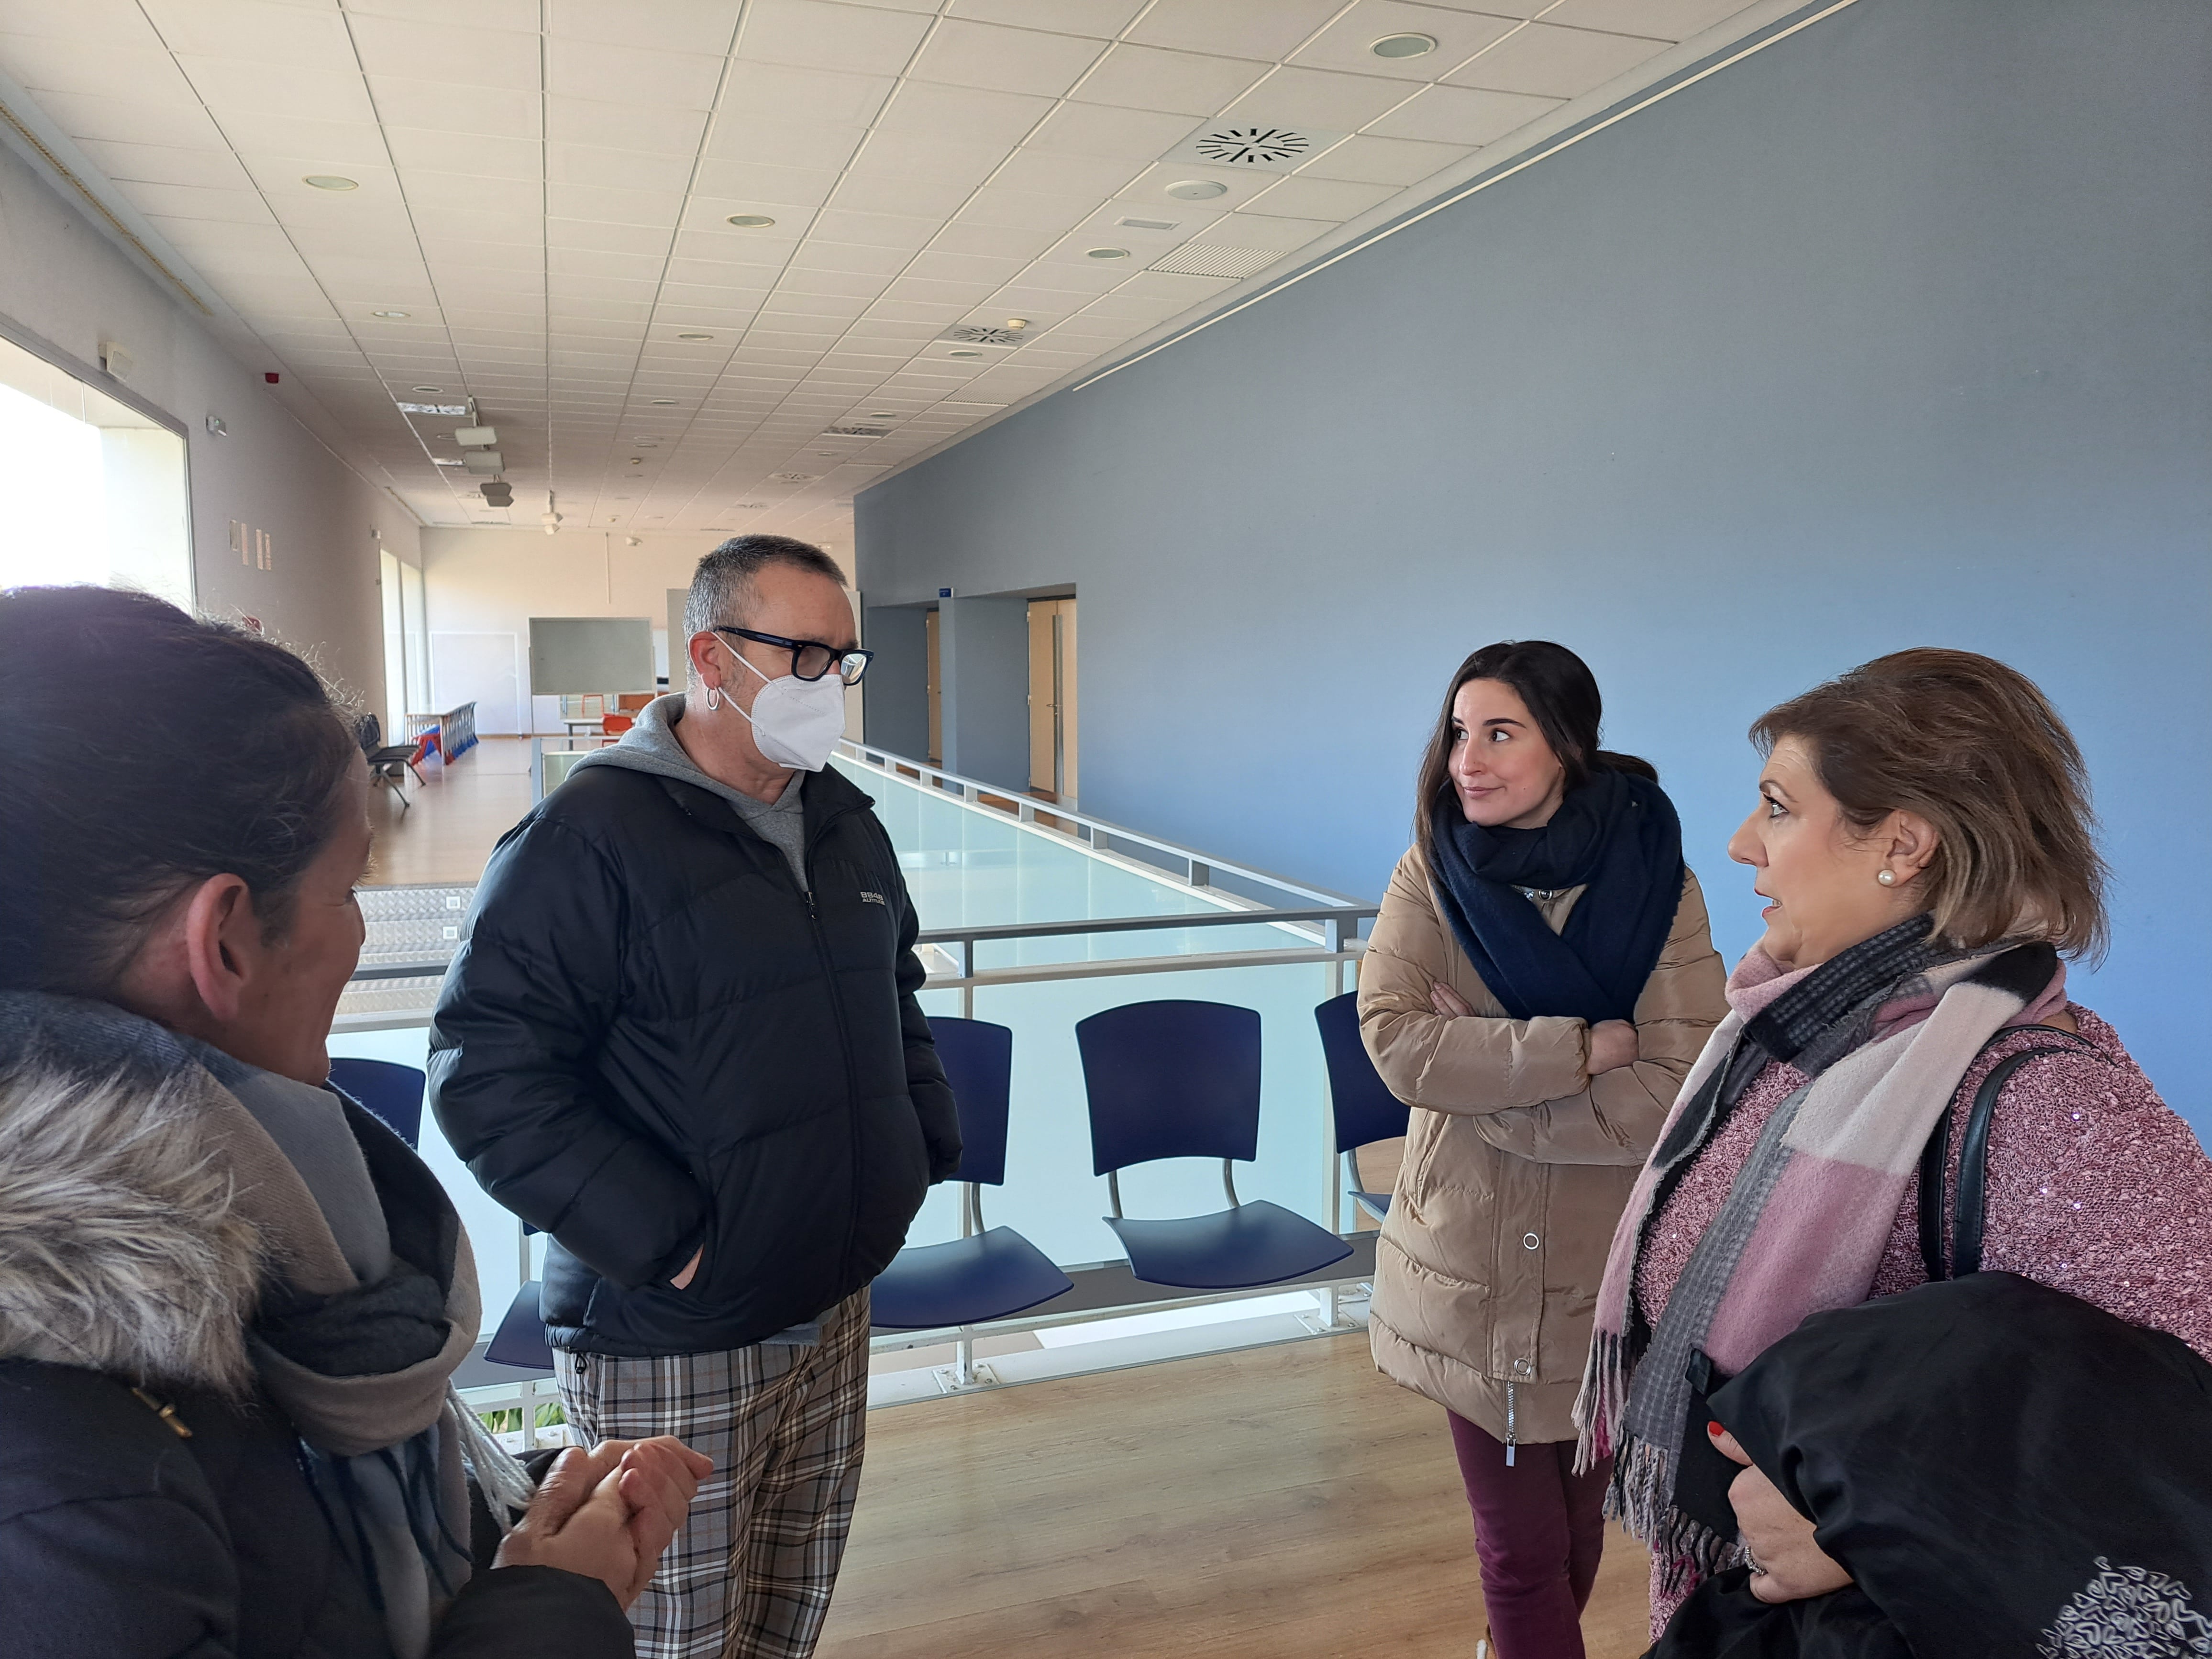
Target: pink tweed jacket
2095,1187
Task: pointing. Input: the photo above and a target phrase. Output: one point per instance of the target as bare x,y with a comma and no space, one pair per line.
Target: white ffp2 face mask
797,722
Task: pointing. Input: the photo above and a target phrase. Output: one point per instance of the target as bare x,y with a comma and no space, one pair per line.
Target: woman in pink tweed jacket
1924,840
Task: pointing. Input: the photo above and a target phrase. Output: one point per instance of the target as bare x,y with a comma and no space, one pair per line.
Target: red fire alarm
270,377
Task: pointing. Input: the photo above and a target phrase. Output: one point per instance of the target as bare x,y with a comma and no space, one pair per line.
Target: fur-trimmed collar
121,1247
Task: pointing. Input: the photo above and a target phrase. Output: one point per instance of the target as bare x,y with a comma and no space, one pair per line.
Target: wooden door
1052,698
936,755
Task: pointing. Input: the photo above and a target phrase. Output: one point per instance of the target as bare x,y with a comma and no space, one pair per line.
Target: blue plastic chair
1361,1103
992,1274
393,1093
1182,1079
519,1341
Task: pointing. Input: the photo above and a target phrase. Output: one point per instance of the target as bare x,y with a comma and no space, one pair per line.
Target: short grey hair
722,587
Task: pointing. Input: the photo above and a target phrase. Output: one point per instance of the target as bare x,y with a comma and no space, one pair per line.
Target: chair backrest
1363,1106
979,1063
632,703
368,733
614,725
393,1093
1171,1079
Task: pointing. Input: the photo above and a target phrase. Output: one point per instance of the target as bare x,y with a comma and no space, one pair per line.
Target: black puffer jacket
653,1042
122,1539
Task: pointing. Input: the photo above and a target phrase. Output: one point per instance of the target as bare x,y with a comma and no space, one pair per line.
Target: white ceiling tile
464,191
1026,210
1345,43
483,13
747,181
1067,175
614,204
973,268
1383,160
307,95
134,69
917,311
781,144
972,54
814,35
564,289
320,246
728,251
333,146
631,74
1319,98
112,21
125,120
194,201
1546,61
1664,20
938,160
452,254
1244,28
695,26
1101,19
815,253
295,37
774,92
663,131
972,112
1177,82
154,164
482,223
1065,270
438,106
1132,135
616,169
871,192
601,262
1303,197
448,53
613,238
1457,115
999,241
1248,229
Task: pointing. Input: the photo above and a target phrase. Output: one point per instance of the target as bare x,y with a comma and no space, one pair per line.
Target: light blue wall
1896,333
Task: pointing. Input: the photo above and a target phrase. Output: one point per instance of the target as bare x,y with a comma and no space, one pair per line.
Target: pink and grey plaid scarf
1886,1030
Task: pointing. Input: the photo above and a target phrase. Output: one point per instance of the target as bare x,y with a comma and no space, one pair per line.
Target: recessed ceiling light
1404,45
434,389
827,454
664,403
1197,190
751,221
964,353
394,315
330,181
1106,253
695,337
883,415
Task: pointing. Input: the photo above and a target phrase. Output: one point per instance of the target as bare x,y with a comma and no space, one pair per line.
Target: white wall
485,585
65,283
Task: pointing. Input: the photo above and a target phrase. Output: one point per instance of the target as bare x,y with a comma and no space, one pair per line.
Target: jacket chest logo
874,898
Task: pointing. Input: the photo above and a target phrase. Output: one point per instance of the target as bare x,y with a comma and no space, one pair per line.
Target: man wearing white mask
682,1038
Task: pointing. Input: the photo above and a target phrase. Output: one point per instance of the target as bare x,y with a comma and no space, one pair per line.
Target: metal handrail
1026,808
994,932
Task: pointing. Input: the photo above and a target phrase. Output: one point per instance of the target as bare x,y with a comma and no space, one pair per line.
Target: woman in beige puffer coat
1527,1132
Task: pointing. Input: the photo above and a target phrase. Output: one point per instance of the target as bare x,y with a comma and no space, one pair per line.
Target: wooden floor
453,821
1282,1502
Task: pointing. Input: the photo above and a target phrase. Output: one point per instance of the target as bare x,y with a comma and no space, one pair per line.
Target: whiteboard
577,654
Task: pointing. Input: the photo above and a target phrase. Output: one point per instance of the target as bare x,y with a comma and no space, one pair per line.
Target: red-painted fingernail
1714,1429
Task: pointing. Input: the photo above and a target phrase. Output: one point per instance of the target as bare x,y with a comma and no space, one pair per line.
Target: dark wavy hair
1562,698
148,750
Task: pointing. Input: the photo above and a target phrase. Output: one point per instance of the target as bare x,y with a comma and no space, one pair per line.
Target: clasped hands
1613,1043
608,1513
1787,1565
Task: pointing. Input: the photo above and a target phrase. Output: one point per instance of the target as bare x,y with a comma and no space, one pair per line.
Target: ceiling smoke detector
1196,189
330,181
1253,146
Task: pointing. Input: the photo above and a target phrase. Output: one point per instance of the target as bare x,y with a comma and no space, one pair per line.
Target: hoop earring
715,695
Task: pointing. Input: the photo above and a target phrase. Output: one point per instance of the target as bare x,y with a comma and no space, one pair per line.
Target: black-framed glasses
810,658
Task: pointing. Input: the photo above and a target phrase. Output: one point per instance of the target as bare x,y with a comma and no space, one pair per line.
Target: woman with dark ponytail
1539,981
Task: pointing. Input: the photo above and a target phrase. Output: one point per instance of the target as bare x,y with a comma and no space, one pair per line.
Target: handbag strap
1965,1254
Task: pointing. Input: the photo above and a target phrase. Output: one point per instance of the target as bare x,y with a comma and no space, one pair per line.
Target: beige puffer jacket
1517,1161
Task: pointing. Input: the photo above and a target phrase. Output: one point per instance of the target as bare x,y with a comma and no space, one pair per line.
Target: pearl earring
1886,878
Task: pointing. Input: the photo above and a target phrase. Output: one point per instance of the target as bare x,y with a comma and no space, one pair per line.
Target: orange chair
611,726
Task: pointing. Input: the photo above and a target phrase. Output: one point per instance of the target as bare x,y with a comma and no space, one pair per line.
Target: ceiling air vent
1253,146
979,334
793,477
748,507
857,432
1202,261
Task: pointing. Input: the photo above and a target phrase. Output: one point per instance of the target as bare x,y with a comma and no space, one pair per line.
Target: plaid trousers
750,1574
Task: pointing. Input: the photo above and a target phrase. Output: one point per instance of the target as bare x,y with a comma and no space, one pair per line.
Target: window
95,490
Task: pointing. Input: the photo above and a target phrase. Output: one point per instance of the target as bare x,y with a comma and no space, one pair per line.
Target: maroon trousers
1539,1532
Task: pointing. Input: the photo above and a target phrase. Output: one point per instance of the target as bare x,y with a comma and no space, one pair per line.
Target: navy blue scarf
1619,834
